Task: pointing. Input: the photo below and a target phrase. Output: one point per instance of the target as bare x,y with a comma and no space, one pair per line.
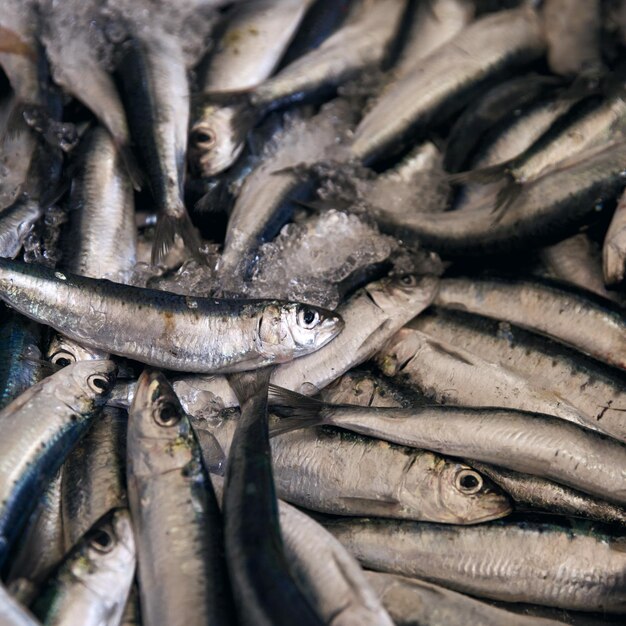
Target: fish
348,474
442,82
614,247
562,565
248,52
574,317
58,411
265,590
525,442
411,601
92,584
261,332
12,613
177,523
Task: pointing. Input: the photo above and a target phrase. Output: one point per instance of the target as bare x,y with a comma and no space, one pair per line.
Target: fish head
106,555
404,293
468,496
84,384
63,351
159,434
217,138
289,330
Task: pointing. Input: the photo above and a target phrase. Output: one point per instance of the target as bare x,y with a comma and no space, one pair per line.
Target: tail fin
168,228
295,410
248,384
481,176
130,165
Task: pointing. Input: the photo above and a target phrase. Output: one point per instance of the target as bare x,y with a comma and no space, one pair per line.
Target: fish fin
248,384
213,455
170,226
294,410
481,176
505,198
131,166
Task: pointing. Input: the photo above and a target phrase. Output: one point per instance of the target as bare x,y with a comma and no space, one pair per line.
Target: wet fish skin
525,442
614,248
566,566
588,323
264,589
176,519
182,327
444,80
375,478
92,585
12,613
411,601
58,411
540,493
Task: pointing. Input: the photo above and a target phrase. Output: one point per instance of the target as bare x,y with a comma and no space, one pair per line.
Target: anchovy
92,585
411,602
176,518
588,323
179,332
614,248
347,474
443,82
541,493
564,566
39,429
595,390
525,442
264,588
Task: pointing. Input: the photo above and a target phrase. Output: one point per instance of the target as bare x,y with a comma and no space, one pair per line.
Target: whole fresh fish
179,332
264,589
411,602
614,248
93,475
176,518
543,494
20,364
255,38
525,442
547,210
442,82
347,474
448,374
566,565
156,93
40,427
574,317
92,585
594,389
371,316
330,577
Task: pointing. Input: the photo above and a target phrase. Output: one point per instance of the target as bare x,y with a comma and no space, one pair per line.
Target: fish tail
481,176
249,384
131,166
169,227
295,410
505,198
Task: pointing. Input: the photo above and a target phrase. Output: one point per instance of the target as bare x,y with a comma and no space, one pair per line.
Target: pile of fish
312,312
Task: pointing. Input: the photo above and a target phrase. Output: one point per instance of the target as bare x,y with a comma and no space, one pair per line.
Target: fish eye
98,383
408,280
205,137
308,317
468,481
63,358
101,541
167,414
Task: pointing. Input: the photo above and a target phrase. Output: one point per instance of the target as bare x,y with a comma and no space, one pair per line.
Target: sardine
614,248
441,83
566,566
57,411
179,332
589,324
176,518
264,589
92,585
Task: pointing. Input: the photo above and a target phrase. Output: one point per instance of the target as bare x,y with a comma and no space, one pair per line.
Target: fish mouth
492,515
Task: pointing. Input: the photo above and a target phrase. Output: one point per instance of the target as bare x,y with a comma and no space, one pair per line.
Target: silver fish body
40,427
614,248
561,566
92,585
12,613
179,332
